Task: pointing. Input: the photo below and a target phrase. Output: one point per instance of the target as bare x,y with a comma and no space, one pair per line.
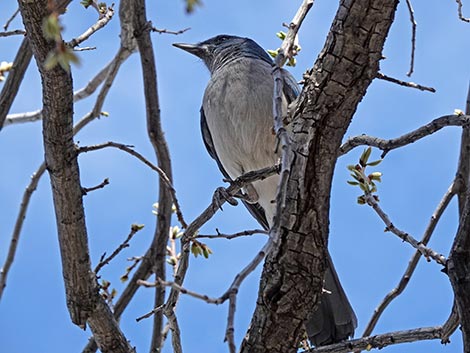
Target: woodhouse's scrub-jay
237,128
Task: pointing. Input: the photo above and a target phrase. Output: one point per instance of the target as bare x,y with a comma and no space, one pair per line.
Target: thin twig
191,231
150,313
108,73
12,17
382,340
160,172
84,49
105,261
404,83
406,139
413,37
459,4
167,31
15,32
428,253
436,216
99,186
232,236
180,289
103,21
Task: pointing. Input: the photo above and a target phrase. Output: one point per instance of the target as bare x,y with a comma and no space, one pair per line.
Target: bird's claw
221,195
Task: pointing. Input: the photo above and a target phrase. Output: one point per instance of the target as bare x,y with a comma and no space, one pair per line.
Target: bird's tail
334,320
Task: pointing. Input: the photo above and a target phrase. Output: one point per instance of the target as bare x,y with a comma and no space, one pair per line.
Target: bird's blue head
222,49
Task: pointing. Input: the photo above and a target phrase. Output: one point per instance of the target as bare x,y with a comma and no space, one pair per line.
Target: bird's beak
194,49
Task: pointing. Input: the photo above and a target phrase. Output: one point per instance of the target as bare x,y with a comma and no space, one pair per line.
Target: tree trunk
293,272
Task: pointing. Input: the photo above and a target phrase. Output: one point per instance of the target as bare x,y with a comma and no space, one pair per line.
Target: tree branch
103,21
405,279
404,83
15,32
428,253
157,138
382,340
84,302
406,139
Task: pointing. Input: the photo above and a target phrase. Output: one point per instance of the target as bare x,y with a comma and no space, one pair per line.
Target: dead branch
382,340
413,37
103,21
428,253
404,83
395,292
105,261
128,149
406,139
15,32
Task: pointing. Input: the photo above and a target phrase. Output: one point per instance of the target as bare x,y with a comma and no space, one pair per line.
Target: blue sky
33,316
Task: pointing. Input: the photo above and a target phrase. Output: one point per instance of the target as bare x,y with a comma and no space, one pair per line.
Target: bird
236,120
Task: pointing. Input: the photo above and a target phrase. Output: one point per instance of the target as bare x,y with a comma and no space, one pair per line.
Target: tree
338,81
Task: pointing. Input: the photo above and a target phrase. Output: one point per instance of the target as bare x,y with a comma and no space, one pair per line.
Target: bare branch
108,73
12,84
406,139
428,253
232,236
404,83
84,49
436,216
19,226
180,289
105,261
141,27
175,331
160,172
103,21
459,4
161,31
150,313
413,37
382,340
15,32
99,186
12,17
451,324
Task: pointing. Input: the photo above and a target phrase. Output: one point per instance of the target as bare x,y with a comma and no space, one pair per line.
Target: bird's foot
221,195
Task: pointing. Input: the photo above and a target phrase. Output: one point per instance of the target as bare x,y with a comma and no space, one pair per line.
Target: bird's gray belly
238,111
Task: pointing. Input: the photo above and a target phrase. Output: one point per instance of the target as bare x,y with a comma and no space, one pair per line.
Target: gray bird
237,128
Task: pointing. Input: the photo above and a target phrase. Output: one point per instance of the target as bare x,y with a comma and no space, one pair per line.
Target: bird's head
222,49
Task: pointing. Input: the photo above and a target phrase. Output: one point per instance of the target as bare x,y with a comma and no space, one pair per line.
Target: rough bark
458,266
82,291
293,272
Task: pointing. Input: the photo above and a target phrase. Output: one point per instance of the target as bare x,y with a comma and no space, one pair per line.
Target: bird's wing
290,88
254,208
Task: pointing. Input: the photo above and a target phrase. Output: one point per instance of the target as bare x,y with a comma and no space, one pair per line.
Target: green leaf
191,5
273,53
365,156
354,183
375,176
374,163
86,3
281,35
